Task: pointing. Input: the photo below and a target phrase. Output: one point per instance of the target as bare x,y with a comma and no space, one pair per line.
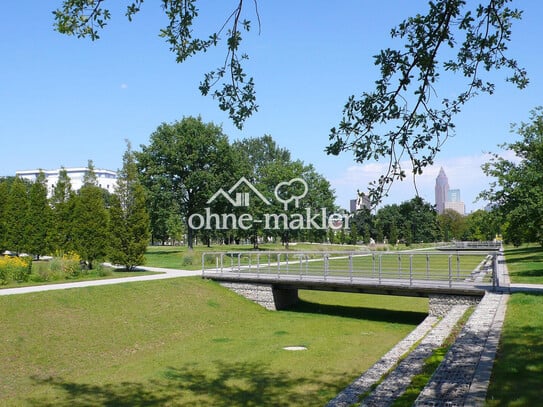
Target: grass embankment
518,368
190,342
525,264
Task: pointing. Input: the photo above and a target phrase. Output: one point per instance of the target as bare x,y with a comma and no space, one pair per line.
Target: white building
106,179
456,206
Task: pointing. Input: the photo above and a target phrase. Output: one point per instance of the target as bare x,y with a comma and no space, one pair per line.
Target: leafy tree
517,192
482,225
129,219
236,94
401,117
412,221
190,160
17,216
452,225
420,224
387,221
39,216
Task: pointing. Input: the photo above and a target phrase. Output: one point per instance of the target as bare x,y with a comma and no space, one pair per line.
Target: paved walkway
164,273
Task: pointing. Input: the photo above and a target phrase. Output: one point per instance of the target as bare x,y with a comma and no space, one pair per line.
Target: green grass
525,264
180,257
100,273
190,342
518,368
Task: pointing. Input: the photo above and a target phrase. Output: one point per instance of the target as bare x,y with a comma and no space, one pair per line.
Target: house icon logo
240,198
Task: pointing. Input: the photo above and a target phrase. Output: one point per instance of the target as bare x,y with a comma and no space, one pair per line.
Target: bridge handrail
282,263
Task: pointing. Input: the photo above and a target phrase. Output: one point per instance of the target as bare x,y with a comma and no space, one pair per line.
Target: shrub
14,269
187,261
67,265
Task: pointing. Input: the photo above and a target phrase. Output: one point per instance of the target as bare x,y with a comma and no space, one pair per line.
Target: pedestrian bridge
273,278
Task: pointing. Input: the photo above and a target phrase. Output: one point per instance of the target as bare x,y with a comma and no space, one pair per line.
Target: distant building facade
106,179
456,206
454,196
363,201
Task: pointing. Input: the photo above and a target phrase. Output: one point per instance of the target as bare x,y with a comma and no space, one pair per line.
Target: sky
66,100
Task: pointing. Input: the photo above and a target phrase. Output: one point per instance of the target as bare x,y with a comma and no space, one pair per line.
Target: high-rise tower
442,190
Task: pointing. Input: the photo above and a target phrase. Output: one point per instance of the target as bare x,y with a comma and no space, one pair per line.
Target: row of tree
89,222
174,178
188,161
416,221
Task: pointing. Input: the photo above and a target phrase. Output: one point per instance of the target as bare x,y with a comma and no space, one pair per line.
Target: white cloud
463,172
124,86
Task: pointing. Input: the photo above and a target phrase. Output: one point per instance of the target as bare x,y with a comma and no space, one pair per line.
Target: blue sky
66,100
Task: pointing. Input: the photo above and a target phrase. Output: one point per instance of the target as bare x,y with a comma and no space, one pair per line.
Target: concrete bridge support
267,295
274,297
440,305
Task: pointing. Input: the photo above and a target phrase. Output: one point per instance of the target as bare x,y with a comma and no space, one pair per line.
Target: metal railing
412,268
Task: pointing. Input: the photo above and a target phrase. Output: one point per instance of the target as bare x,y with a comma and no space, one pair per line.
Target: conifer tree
16,216
129,219
39,215
4,193
62,202
90,221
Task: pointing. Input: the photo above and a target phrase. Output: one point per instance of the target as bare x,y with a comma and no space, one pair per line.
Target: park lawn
180,257
102,273
189,341
518,368
525,263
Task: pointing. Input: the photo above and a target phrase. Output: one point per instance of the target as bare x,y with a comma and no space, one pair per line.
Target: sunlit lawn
190,342
518,368
100,273
525,264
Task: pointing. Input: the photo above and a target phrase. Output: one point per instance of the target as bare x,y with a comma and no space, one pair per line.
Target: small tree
39,215
62,201
16,216
90,221
129,223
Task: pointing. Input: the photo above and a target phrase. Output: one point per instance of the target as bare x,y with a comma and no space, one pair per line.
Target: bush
187,261
60,267
14,269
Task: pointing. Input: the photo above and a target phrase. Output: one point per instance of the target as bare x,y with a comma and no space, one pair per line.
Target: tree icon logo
289,191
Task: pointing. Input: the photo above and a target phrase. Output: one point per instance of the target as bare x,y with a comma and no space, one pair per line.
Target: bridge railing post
380,267
410,270
351,267
326,265
495,276
450,271
458,267
427,267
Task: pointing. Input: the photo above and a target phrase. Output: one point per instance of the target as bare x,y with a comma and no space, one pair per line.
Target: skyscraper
442,190
454,195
